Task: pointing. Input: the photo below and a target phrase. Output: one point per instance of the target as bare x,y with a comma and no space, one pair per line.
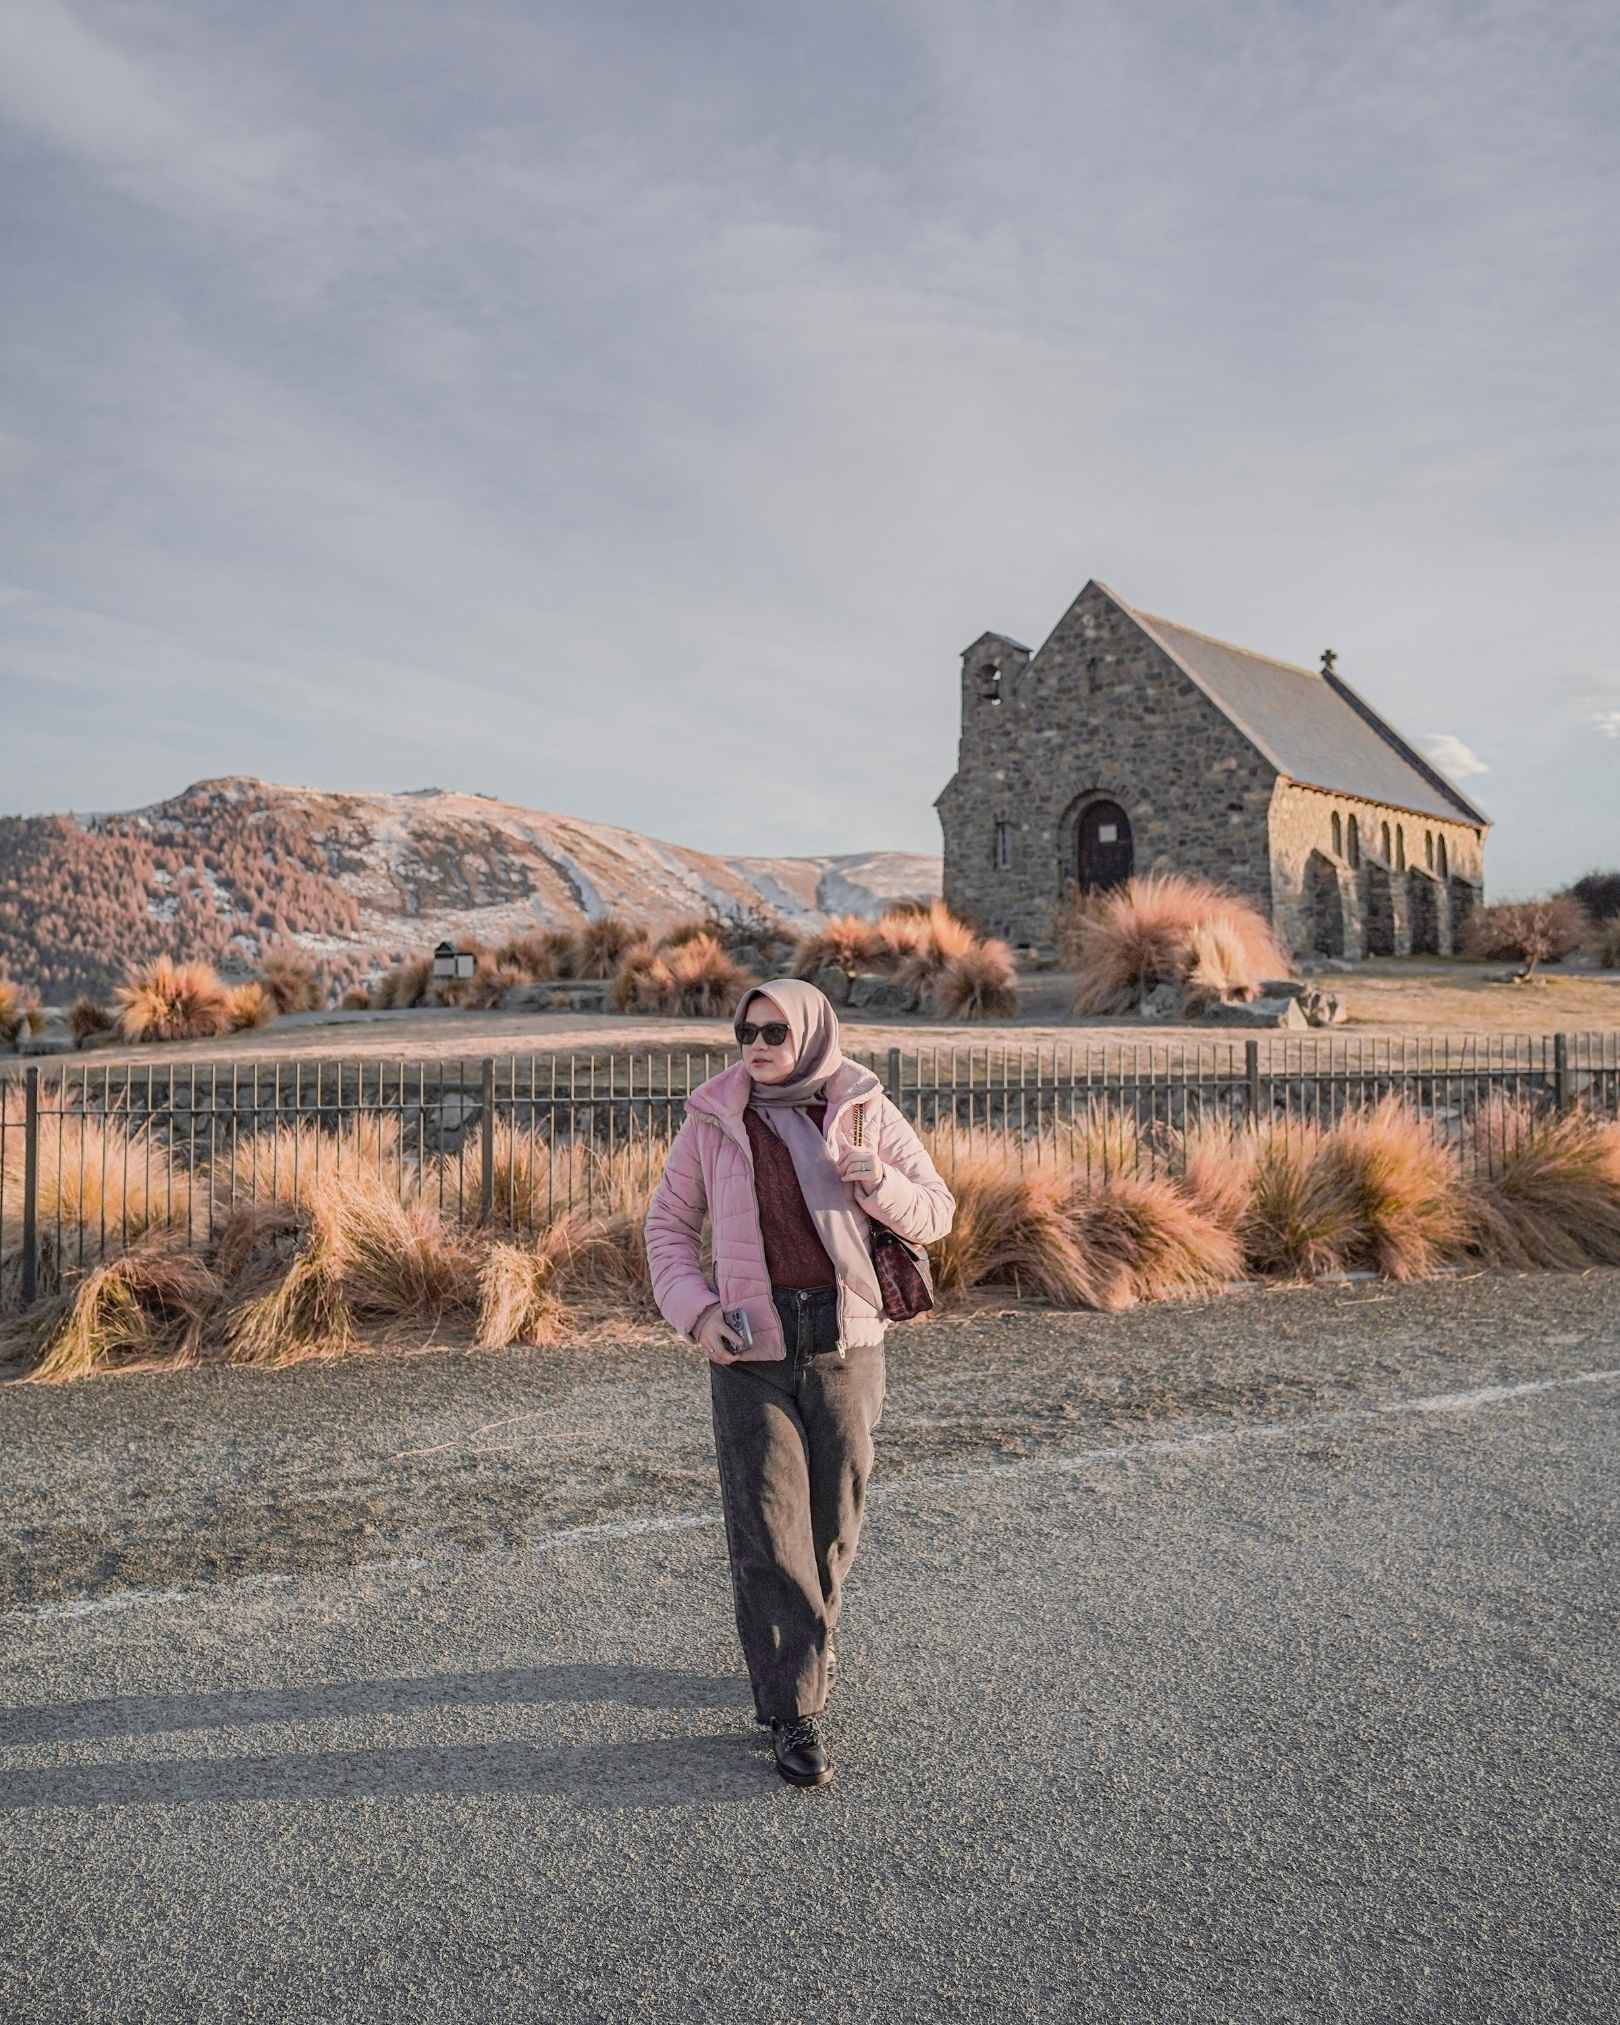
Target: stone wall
1385,902
1099,712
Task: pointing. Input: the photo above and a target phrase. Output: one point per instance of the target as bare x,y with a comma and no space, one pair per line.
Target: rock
877,992
1258,1012
1163,1002
834,982
1323,1009
1284,987
51,1040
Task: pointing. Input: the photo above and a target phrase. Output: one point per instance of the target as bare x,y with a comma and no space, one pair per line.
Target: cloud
1451,755
1608,722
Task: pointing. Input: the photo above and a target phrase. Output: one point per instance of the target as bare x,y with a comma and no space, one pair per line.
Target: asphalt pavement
1246,1661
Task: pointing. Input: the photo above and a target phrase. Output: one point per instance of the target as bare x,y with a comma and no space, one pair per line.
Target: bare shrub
1527,931
1147,933
171,1001
1599,894
1606,945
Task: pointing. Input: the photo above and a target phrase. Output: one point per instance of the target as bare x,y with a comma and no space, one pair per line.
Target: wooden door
1106,850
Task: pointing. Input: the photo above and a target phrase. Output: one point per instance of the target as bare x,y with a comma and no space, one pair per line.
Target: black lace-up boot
801,1756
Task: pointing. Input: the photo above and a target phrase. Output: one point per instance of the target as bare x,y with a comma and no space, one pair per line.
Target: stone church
1127,743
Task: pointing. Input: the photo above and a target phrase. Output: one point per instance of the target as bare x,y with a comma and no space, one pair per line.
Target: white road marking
680,1522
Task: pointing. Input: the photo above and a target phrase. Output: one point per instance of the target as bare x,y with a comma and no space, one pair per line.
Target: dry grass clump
88,1021
15,1006
292,981
1554,1199
356,999
846,942
642,983
99,1183
980,984
1147,1240
144,1307
1163,929
248,1006
169,1001
603,941
408,984
1402,1189
542,954
1010,1228
696,976
289,1163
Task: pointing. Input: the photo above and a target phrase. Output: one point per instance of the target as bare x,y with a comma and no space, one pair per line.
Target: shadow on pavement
639,1687
654,1773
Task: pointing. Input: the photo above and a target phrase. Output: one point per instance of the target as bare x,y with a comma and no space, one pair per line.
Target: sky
633,411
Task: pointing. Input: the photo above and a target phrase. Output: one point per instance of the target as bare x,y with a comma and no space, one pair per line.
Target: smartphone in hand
736,1320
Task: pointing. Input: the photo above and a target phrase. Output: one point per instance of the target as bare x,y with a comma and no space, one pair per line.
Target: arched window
1355,841
1445,868
1428,849
990,683
1003,845
1338,834
1386,844
1400,847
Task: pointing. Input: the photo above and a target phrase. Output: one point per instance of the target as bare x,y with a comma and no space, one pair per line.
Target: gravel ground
149,1481
1242,1662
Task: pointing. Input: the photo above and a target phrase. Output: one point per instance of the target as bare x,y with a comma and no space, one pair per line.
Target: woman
767,1147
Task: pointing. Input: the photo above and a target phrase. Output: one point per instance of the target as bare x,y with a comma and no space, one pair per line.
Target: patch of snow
164,910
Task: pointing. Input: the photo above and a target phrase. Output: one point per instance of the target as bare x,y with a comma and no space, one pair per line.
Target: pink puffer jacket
711,1166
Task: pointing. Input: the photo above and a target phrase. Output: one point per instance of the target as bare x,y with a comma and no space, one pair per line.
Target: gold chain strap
860,1114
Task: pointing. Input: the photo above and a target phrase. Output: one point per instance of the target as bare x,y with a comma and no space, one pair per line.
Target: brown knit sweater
794,1253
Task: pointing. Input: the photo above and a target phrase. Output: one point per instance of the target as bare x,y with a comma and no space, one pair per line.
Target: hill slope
234,865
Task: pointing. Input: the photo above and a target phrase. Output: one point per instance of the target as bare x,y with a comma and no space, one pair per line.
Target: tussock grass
1165,928
980,984
169,1001
248,1006
87,1020
147,1306
313,1263
292,981
98,1180
15,1005
1554,1199
846,942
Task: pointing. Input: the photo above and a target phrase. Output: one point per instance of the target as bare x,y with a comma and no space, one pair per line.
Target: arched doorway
1106,851
1324,905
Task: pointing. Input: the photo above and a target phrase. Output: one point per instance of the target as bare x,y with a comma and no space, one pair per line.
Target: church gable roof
1312,727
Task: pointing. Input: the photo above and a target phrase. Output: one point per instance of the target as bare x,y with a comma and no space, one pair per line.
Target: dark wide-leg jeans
794,1446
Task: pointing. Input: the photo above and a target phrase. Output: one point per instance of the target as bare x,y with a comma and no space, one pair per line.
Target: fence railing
92,1157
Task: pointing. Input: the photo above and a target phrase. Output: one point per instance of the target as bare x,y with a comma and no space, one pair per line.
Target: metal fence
91,1157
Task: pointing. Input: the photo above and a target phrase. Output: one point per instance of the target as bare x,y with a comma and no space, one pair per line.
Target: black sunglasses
775,1033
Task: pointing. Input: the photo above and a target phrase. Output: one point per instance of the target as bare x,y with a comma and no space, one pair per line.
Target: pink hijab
840,1222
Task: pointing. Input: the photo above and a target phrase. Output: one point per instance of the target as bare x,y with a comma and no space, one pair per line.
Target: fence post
486,1141
1251,1064
891,1079
30,1213
1561,1072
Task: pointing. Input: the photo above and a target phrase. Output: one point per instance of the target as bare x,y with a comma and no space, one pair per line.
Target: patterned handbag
903,1271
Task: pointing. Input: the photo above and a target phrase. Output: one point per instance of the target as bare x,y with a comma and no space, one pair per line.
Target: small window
990,682
1355,841
1445,868
1387,846
1003,846
1400,847
1428,849
1338,834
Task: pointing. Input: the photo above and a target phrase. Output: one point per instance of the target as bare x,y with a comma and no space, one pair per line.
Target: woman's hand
860,1167
717,1342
